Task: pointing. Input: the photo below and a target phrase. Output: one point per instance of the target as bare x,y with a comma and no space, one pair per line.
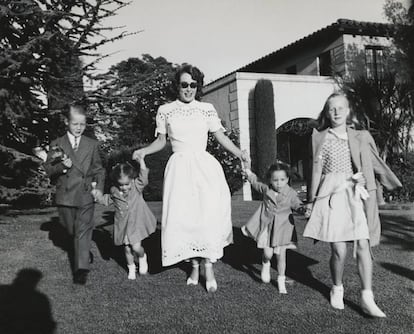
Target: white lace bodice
187,124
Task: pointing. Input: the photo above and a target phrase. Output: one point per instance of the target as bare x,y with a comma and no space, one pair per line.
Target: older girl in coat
343,192
133,219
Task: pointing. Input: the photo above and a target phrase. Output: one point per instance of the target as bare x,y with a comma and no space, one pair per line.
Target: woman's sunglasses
186,84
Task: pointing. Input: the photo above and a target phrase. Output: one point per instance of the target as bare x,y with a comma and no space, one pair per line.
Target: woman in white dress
196,215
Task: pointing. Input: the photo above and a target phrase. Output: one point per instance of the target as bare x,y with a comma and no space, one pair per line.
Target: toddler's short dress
196,211
338,211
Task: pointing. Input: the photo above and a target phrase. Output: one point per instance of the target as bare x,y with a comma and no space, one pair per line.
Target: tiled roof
340,27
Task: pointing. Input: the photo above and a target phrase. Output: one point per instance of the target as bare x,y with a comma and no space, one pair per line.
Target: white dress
196,214
338,211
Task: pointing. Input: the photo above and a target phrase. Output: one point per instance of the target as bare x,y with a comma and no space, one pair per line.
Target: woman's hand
245,158
139,155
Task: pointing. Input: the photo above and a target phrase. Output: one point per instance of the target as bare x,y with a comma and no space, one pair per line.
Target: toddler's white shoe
143,265
265,273
337,297
368,305
132,271
281,280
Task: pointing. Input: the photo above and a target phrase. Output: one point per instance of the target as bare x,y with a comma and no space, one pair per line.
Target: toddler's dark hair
123,169
278,167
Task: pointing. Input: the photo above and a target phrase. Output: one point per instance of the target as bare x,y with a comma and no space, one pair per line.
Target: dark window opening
374,62
325,63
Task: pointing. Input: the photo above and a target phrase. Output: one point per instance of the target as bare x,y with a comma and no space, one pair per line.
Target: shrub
402,166
264,117
23,181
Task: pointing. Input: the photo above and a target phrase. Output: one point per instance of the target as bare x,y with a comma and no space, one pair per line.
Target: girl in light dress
196,214
343,192
133,220
272,225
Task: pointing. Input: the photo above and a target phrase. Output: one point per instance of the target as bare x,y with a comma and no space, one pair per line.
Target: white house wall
295,97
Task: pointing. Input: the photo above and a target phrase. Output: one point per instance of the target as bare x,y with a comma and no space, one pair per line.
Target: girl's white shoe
337,297
132,271
143,265
368,305
281,284
191,281
265,273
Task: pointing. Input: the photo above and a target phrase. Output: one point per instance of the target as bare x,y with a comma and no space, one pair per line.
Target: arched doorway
294,148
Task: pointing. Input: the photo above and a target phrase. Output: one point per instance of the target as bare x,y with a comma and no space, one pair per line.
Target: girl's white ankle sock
132,271
281,284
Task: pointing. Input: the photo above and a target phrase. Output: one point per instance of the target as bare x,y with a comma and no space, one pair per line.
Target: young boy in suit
73,173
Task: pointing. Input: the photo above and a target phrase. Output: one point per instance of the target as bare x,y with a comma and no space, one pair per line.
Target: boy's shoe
281,280
337,297
265,273
132,271
143,265
368,305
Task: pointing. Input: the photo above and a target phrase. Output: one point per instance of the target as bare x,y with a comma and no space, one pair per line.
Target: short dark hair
80,108
123,169
279,166
195,73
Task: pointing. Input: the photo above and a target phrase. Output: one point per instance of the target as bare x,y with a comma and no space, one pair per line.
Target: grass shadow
397,230
399,270
60,238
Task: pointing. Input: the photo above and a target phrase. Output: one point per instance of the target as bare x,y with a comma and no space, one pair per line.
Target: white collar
72,138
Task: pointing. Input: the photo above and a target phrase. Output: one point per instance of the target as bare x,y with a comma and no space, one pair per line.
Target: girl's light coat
365,159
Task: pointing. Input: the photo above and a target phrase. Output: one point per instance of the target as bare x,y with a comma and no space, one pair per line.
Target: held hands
245,158
359,178
97,195
139,155
307,208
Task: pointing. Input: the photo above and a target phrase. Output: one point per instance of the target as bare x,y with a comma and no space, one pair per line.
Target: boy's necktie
76,144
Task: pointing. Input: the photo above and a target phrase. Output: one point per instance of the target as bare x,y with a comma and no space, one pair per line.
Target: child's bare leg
281,269
138,249
281,261
129,255
364,261
265,272
337,263
142,258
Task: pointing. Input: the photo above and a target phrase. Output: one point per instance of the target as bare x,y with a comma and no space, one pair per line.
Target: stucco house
302,74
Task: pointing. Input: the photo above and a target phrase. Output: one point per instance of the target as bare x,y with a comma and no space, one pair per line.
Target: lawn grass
161,302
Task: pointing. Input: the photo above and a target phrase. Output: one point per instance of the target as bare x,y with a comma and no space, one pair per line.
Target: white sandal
191,281
211,285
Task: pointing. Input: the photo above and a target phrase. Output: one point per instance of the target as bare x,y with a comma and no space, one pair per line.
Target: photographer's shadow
23,308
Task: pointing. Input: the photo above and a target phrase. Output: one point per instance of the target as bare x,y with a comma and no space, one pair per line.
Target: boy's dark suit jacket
73,188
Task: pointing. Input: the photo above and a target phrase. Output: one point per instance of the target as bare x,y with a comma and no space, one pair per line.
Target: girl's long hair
323,122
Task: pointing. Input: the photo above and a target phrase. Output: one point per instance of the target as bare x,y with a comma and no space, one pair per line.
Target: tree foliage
129,95
403,20
47,48
41,42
